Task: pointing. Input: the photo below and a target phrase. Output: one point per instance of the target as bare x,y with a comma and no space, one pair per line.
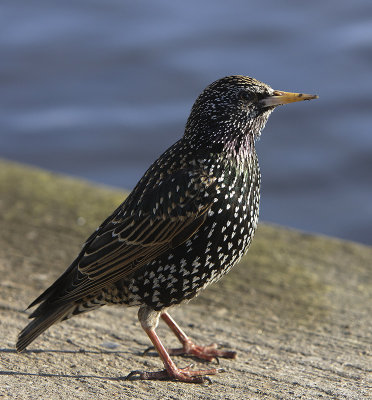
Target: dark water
99,89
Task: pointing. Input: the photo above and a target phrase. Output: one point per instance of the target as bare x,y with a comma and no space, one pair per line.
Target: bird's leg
149,320
208,353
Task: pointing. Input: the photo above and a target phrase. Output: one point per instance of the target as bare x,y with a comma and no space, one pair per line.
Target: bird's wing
163,218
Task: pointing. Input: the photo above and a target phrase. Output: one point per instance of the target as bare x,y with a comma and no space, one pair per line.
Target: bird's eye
245,96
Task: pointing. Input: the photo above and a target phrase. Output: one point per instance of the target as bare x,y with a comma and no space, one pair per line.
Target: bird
187,222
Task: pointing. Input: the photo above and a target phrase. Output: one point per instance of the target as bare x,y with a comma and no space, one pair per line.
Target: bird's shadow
4,350
49,375
56,375
148,352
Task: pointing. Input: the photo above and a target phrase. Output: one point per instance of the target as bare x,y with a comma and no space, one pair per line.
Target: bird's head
235,107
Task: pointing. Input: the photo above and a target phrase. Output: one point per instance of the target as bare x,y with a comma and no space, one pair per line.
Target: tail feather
42,323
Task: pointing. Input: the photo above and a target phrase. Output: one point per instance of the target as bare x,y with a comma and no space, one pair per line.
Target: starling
188,221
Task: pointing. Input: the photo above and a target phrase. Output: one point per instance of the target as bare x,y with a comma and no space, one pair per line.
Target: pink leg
171,371
208,353
149,320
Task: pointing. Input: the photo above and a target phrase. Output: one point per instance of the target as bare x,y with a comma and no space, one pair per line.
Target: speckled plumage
190,218
211,175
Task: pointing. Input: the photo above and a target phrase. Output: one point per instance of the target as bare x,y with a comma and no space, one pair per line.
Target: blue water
98,89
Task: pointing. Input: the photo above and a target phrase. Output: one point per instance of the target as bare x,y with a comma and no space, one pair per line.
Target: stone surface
297,309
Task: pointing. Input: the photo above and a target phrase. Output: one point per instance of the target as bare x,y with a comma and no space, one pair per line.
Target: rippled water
99,89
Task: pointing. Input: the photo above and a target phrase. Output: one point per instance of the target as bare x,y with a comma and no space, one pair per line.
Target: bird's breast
232,220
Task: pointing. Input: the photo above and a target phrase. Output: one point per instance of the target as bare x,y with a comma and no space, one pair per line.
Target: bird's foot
179,374
209,353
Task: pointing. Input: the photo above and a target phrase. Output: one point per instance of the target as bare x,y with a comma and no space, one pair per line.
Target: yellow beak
278,98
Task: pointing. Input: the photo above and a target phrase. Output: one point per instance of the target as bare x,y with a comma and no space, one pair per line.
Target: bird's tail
41,323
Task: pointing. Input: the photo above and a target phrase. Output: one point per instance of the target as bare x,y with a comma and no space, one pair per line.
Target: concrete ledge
297,309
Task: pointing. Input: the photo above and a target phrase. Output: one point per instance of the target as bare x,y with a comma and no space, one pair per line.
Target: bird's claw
208,353
179,374
146,351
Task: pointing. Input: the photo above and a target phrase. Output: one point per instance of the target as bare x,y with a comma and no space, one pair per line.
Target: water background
99,89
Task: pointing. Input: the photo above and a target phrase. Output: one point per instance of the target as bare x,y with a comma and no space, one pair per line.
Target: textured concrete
297,309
